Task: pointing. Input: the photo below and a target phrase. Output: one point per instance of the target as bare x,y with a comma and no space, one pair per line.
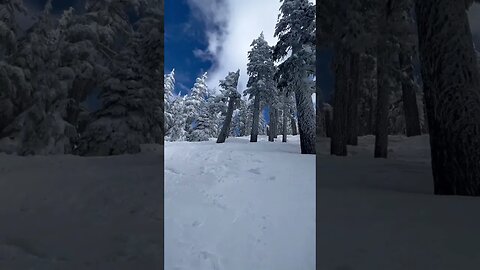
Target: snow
70,212
239,205
382,214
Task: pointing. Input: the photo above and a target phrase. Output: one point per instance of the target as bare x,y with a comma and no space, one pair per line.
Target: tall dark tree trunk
293,123
275,123
226,123
256,116
452,95
409,96
371,84
338,143
306,121
383,87
271,129
328,123
353,92
381,117
285,115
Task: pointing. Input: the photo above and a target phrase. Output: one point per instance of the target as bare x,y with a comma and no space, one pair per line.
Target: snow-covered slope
69,212
239,205
381,214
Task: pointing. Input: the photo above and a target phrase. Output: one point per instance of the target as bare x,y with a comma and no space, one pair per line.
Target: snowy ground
239,205
68,212
381,214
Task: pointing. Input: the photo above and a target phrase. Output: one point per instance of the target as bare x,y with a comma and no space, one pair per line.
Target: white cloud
232,25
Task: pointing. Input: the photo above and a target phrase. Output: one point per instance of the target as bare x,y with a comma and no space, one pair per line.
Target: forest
85,82
281,83
404,68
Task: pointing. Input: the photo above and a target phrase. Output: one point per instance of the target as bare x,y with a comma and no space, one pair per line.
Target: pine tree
260,84
132,101
15,89
169,86
177,131
202,130
295,30
194,101
229,89
44,124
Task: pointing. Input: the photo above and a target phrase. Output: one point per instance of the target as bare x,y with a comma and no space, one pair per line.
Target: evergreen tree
169,86
132,102
260,84
202,129
177,131
43,126
229,89
195,101
296,33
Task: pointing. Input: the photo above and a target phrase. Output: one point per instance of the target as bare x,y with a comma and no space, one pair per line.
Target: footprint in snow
170,170
255,171
196,223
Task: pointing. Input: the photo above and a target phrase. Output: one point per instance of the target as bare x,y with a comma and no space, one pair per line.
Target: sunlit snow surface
381,214
239,205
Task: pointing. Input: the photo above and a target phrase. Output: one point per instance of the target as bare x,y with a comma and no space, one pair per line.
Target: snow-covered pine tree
43,127
132,100
202,129
169,86
217,108
15,90
229,90
177,131
245,118
261,85
295,30
195,101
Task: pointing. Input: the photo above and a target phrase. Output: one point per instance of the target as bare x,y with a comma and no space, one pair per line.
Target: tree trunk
275,123
328,123
271,129
409,96
293,123
338,142
306,121
256,115
284,120
452,95
226,123
353,92
383,89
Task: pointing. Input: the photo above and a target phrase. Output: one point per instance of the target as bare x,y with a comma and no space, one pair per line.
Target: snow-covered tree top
229,85
295,26
200,88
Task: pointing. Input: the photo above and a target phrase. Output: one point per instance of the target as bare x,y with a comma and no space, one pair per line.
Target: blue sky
214,36
192,25
184,33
